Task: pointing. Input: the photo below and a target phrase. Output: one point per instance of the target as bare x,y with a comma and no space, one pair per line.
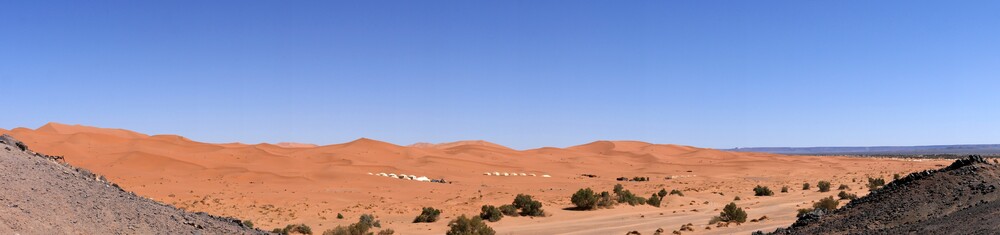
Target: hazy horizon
523,74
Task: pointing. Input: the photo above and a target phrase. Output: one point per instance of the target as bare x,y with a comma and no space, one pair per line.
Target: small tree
491,213
465,226
662,193
805,186
824,186
762,191
585,199
427,215
733,213
827,203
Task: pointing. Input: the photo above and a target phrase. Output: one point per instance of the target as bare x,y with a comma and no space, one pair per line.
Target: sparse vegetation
365,223
294,228
849,196
585,199
827,203
762,191
248,223
508,210
618,188
605,200
465,226
875,183
784,189
491,213
824,186
676,192
737,198
844,187
895,177
654,200
428,215
627,197
340,216
528,206
731,213
805,186
803,211
662,193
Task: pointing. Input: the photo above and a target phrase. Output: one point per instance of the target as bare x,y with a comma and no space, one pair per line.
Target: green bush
844,195
490,213
676,192
784,189
662,193
618,188
585,199
733,213
626,196
827,203
654,200
365,223
465,226
294,228
805,186
824,186
875,183
428,215
802,211
605,200
340,216
762,191
528,206
508,210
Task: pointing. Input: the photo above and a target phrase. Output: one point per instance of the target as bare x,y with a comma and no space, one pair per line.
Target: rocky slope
42,195
959,199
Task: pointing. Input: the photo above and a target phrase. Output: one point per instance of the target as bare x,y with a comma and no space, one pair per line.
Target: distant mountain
984,149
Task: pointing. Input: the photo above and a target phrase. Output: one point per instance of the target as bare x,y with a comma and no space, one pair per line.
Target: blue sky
520,73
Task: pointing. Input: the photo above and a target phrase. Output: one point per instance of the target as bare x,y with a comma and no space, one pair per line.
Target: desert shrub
618,188
895,176
824,186
627,197
844,195
528,206
762,191
605,200
491,213
340,216
802,211
248,223
662,193
784,189
827,203
676,192
715,220
654,200
508,210
585,199
874,183
733,213
429,215
387,232
637,178
365,223
296,228
805,186
844,187
737,198
465,226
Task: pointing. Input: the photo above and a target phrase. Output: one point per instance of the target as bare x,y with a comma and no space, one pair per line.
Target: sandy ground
275,185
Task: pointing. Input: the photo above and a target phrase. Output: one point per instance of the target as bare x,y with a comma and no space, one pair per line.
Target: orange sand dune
278,184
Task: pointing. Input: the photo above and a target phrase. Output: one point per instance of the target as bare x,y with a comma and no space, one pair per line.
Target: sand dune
278,184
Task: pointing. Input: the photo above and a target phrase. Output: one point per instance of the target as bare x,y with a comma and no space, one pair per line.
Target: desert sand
278,184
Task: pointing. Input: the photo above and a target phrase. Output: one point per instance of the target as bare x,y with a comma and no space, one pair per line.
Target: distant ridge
964,149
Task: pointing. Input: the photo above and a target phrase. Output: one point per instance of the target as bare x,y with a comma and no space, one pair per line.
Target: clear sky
520,73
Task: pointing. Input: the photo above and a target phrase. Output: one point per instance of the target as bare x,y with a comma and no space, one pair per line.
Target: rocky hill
42,195
959,199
